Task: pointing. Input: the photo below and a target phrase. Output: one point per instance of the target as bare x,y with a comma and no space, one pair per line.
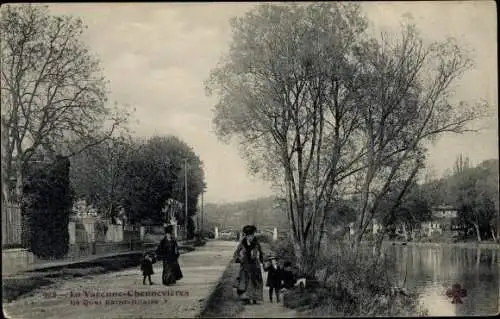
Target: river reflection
431,270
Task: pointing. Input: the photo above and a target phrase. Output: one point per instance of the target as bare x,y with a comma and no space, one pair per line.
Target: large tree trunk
19,183
379,239
305,260
5,187
25,214
6,158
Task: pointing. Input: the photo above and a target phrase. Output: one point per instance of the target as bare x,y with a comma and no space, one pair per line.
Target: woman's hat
169,229
249,230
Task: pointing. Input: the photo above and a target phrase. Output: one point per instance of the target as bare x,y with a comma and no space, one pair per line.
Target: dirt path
201,268
267,309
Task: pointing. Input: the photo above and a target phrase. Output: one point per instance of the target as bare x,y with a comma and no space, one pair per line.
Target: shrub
264,239
284,250
208,234
47,209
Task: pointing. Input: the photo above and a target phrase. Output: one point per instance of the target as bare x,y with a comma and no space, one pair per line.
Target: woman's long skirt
250,283
171,272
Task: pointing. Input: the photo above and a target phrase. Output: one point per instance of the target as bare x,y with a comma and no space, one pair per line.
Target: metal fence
11,224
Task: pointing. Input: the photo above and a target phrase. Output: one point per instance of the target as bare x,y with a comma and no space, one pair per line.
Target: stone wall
16,258
84,232
82,244
114,233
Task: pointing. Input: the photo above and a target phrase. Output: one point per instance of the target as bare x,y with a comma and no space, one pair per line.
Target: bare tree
280,93
53,96
318,105
461,164
405,104
97,173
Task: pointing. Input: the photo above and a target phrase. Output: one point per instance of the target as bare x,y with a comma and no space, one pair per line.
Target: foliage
412,210
190,228
343,213
52,93
154,172
48,205
265,238
353,284
97,173
284,250
209,234
474,191
81,208
319,107
140,176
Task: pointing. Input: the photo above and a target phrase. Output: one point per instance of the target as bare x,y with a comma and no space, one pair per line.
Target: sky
156,57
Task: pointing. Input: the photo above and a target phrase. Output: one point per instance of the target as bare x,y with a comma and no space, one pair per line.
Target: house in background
444,218
445,211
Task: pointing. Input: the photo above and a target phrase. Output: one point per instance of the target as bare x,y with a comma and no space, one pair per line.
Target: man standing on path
168,251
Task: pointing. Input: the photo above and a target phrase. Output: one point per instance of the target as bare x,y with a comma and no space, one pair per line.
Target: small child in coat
147,267
273,278
287,276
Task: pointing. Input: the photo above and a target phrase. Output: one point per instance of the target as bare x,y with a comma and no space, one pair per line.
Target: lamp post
186,199
202,212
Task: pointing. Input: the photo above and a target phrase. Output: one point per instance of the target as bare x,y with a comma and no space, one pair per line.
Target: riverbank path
266,309
122,295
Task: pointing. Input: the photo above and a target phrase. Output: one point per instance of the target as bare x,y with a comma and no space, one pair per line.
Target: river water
431,270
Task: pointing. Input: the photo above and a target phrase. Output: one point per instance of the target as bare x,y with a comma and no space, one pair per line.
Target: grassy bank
223,302
350,284
26,283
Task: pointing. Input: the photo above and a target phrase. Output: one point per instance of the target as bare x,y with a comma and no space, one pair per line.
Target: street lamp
186,199
202,210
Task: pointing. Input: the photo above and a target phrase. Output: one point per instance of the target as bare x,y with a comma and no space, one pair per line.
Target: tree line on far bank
471,191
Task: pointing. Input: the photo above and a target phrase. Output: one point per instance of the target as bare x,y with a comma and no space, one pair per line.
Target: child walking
147,267
273,278
287,276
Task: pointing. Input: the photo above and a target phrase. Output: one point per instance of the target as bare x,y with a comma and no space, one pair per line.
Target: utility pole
186,199
202,212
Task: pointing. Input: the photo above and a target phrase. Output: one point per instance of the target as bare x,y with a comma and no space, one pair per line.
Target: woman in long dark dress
168,251
249,255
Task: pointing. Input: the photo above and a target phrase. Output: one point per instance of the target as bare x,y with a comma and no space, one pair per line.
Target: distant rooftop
444,207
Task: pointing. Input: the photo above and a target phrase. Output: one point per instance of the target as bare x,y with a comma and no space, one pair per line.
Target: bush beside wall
46,209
